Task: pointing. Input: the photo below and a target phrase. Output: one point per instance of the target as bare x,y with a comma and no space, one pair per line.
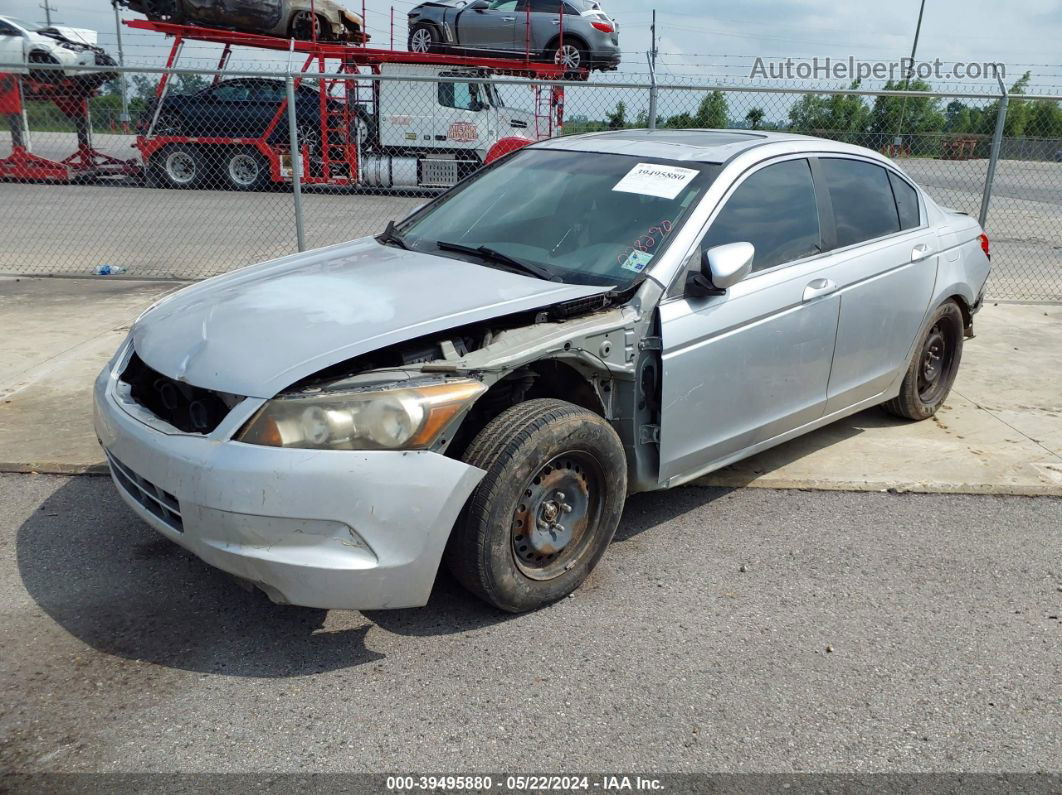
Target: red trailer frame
73,102
339,159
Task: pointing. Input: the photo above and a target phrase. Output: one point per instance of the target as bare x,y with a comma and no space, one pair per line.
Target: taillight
604,27
985,247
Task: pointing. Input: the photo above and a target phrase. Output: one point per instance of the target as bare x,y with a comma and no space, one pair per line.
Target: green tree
841,116
712,113
755,118
900,115
617,119
680,121
1045,119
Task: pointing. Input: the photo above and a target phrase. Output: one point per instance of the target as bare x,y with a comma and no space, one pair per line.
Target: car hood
260,329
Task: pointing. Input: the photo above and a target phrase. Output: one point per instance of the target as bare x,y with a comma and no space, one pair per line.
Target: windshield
586,218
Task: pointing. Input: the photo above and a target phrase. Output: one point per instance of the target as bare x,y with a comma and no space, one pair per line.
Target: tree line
851,117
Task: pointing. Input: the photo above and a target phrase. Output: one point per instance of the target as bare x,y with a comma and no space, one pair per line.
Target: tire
163,9
573,56
424,38
304,25
178,167
934,367
171,124
541,519
362,128
245,169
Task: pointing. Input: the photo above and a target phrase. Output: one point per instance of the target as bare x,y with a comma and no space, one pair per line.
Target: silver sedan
485,382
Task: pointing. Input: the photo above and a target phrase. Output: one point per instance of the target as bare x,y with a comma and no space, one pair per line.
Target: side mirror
479,5
721,268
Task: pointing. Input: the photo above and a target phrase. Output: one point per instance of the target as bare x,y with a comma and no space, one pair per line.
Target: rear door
491,29
747,366
884,269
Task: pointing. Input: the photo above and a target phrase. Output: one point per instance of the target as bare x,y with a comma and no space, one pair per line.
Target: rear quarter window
906,202
862,199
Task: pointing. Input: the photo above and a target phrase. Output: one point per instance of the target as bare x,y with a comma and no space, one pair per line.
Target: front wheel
423,39
933,370
547,509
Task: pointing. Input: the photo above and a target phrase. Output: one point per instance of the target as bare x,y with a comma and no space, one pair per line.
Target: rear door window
863,204
906,202
775,210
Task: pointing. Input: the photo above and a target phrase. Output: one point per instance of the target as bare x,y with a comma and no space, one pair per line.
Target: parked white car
25,48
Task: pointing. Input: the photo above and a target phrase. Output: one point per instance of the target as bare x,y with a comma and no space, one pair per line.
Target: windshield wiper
391,237
502,259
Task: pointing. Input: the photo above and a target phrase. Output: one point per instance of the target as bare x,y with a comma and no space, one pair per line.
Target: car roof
701,146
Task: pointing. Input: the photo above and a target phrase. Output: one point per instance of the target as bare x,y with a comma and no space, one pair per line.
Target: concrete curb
709,481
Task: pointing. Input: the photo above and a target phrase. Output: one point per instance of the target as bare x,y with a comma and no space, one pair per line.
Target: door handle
920,252
818,288
555,21
508,19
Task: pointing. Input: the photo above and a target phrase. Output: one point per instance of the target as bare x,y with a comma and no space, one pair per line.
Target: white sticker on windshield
637,261
649,179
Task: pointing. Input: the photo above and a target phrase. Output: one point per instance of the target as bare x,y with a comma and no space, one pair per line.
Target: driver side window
503,5
776,210
460,96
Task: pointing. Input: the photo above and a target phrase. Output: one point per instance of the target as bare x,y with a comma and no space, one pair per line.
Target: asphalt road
725,631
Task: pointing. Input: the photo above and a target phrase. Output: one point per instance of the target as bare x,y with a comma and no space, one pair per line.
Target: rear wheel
245,169
933,370
305,26
573,56
547,509
424,38
178,167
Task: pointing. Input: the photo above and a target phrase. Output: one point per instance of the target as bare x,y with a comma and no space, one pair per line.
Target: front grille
187,408
155,500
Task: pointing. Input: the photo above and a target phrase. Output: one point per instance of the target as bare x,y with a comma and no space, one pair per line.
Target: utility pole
652,76
124,118
47,13
907,75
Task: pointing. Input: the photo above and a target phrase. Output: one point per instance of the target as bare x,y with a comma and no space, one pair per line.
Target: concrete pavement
749,630
1000,432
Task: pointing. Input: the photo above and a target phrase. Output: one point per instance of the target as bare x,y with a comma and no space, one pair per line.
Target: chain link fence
221,171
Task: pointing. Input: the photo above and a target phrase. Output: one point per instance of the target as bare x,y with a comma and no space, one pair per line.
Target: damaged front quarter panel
600,353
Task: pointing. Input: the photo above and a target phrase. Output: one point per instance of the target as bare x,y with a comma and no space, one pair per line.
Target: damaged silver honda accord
487,380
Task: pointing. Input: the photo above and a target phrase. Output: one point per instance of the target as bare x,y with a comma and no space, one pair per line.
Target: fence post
993,160
296,165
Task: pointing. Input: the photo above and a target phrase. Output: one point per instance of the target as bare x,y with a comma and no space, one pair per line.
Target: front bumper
326,529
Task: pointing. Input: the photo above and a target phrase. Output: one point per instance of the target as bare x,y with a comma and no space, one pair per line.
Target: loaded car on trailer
576,34
324,20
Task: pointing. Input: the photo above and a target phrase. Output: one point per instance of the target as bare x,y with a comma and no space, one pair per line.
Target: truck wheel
179,166
424,38
245,169
547,509
932,371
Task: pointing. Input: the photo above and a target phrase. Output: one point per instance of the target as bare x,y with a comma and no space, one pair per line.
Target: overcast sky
717,41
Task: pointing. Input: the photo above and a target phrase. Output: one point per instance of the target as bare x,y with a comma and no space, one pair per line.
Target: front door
742,368
491,29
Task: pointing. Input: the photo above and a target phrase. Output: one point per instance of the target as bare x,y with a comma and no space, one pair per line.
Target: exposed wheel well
578,41
547,378
967,314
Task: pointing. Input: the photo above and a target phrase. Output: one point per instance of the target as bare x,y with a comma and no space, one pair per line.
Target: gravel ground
747,630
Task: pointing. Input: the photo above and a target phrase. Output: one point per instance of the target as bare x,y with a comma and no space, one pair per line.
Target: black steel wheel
546,510
934,367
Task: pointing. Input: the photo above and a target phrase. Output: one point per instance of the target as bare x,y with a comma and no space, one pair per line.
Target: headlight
395,418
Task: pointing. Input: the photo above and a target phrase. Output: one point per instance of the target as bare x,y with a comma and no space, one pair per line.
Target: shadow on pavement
116,585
